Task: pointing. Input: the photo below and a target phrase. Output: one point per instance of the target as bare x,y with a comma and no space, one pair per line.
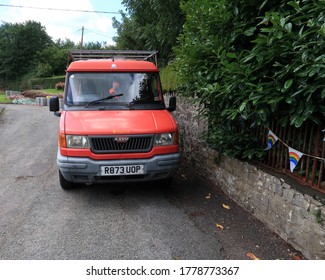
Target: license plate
122,170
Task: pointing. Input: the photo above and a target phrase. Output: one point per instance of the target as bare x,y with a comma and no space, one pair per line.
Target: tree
129,35
20,44
151,25
52,60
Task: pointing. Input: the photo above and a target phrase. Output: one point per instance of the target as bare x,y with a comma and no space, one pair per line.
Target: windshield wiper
103,99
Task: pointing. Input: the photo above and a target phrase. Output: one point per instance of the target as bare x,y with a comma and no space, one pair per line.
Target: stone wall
294,216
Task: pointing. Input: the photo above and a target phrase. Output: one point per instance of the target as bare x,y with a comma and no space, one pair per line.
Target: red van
114,125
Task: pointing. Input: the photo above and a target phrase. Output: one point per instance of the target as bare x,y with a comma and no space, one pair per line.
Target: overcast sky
64,24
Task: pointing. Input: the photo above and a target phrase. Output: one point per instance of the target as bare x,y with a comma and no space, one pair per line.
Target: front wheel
66,185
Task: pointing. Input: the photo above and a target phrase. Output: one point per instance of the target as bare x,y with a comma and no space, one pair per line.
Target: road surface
39,220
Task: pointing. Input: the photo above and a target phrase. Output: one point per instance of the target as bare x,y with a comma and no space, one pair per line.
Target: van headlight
77,141
164,139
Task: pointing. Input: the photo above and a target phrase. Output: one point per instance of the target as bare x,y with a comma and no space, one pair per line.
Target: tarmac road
39,220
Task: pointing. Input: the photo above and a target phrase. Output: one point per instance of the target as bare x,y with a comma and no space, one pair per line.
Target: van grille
121,144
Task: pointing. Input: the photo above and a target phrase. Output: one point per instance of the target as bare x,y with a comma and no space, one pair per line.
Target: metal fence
309,140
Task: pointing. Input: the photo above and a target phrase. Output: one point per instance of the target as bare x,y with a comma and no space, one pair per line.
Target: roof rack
112,54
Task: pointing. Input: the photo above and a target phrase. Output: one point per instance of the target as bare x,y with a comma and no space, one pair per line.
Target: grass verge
32,94
3,98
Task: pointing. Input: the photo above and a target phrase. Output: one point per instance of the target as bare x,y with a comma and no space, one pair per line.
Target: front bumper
86,170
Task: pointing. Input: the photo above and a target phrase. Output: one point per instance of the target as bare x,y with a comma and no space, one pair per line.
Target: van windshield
130,89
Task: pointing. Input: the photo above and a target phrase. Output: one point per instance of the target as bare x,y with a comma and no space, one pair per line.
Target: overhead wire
64,10
97,33
58,9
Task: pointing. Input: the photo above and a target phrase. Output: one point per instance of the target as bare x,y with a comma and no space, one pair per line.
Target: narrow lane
39,220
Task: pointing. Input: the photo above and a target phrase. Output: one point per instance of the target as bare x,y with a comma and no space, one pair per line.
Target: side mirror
55,106
172,104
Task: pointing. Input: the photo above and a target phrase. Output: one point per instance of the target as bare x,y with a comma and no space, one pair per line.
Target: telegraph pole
82,37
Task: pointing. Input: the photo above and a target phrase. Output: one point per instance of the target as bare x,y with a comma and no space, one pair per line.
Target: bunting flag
271,140
294,157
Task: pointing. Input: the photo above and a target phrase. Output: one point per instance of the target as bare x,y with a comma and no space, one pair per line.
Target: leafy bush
251,63
59,85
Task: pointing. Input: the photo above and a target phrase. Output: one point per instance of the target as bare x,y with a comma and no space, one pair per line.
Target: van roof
109,65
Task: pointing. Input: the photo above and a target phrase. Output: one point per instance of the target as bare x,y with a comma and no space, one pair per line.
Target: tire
66,185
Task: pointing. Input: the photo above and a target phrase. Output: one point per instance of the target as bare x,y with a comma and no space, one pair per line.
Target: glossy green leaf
288,84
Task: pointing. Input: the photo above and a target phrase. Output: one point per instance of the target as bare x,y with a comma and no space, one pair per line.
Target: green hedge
47,82
253,62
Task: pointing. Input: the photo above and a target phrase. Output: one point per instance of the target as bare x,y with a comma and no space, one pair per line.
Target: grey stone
278,189
286,186
306,204
298,199
288,194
